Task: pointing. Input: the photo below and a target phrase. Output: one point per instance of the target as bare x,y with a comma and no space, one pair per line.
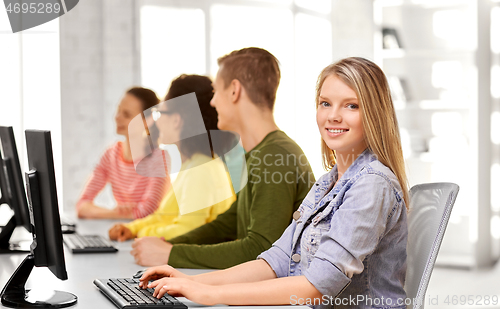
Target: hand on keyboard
158,272
167,279
198,292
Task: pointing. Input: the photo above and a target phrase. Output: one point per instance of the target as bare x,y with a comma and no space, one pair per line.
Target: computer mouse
138,274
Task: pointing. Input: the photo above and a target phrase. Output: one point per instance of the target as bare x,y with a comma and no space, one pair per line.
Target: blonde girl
348,239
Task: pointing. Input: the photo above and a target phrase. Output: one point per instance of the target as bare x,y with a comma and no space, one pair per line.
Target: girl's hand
159,272
198,292
120,232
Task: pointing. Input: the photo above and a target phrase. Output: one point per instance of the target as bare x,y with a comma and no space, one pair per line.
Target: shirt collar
365,158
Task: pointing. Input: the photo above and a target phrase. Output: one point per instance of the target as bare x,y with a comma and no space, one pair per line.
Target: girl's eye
324,104
352,106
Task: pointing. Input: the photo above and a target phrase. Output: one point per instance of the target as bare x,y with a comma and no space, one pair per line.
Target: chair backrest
430,209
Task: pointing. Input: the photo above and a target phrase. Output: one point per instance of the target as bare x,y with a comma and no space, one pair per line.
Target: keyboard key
113,286
165,300
170,298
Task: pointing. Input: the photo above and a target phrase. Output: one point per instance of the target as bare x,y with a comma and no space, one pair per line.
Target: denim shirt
354,250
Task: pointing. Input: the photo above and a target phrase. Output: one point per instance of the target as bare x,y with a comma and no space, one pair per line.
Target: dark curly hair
202,87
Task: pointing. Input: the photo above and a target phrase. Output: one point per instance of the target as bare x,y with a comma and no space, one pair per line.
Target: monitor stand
6,246
16,296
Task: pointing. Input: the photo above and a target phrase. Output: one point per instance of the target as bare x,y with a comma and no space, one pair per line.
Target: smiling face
129,107
339,118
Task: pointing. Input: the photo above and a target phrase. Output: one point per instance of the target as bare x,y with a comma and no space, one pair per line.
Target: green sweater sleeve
265,210
218,256
223,228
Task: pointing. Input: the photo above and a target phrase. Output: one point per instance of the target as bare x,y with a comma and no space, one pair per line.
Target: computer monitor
13,194
47,246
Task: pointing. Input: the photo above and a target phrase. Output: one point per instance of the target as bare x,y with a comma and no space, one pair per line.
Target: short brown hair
256,69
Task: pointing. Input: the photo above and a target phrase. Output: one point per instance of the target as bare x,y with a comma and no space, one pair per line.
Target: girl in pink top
136,196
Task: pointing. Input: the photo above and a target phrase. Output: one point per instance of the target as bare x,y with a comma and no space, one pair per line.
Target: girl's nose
334,115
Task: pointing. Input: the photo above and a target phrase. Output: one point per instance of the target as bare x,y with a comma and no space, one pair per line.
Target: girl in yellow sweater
201,189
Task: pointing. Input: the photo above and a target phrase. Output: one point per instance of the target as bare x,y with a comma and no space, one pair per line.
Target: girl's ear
177,121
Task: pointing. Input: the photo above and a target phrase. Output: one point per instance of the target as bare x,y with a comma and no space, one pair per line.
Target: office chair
430,209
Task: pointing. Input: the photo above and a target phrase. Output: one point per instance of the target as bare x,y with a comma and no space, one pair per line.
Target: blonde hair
377,114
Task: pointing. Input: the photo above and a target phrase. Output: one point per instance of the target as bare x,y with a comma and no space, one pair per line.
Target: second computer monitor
11,178
13,194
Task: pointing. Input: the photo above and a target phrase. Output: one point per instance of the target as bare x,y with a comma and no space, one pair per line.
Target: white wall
98,63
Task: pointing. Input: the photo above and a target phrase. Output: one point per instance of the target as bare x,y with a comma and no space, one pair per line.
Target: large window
30,85
188,37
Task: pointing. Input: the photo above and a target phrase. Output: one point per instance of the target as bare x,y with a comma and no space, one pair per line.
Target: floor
456,288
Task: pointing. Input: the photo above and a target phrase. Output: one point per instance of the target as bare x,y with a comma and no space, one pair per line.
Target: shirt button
296,215
296,257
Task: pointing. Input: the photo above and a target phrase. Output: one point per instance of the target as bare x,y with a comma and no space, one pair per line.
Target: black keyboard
126,293
88,243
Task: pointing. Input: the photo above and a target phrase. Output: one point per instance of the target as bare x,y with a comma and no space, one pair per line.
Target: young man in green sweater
279,175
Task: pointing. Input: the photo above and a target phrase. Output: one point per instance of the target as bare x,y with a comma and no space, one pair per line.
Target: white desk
84,268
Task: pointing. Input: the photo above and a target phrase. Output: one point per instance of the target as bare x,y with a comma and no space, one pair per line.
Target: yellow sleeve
187,222
180,225
197,196
202,192
164,215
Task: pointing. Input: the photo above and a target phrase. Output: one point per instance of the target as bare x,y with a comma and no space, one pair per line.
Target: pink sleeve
152,197
97,180
157,186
